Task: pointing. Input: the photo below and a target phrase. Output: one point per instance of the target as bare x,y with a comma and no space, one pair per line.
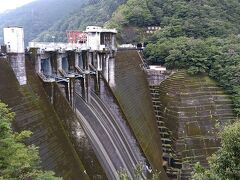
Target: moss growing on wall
132,93
191,107
33,112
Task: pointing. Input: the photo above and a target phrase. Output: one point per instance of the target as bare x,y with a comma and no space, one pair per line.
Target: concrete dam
95,113
52,132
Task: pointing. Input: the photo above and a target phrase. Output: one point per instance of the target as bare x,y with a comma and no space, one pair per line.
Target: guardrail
51,46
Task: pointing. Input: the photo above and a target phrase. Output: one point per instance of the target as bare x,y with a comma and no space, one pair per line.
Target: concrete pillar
71,60
38,63
113,41
97,82
103,63
59,62
85,87
85,57
82,60
65,63
94,59
114,48
44,64
99,62
105,66
89,60
77,59
53,61
71,86
112,72
17,61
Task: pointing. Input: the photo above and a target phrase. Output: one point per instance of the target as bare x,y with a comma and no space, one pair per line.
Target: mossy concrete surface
189,110
133,95
35,113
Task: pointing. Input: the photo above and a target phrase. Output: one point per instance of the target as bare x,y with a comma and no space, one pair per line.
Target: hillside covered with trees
94,12
38,16
180,18
201,36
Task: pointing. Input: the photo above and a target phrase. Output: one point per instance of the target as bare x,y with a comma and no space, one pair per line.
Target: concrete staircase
173,164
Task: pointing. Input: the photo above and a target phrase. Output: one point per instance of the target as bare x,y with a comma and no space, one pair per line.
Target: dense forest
180,18
201,36
38,16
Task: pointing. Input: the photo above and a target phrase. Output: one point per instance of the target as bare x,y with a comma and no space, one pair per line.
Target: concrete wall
17,62
190,107
132,93
93,40
75,131
34,113
14,39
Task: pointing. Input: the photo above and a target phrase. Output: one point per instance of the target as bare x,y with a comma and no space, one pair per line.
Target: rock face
188,108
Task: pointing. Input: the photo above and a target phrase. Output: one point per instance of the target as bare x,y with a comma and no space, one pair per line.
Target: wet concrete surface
118,118
129,85
35,113
110,145
75,131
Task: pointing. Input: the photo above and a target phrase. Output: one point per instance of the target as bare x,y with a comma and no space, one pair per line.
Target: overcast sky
12,4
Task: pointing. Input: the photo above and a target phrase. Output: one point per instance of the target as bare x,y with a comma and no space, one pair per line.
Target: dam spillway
35,113
64,81
130,88
48,98
78,84
111,138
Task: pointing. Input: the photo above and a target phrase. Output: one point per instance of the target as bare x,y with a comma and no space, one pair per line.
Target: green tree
219,57
197,19
123,175
17,160
225,163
